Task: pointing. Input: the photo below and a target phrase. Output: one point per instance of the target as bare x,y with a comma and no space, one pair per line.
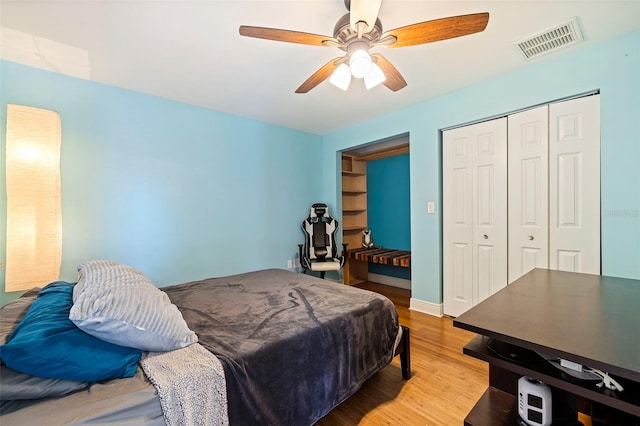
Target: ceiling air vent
551,40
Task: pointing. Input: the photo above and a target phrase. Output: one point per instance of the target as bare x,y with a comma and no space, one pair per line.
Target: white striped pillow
119,304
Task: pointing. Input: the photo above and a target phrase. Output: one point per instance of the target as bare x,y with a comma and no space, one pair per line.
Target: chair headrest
319,212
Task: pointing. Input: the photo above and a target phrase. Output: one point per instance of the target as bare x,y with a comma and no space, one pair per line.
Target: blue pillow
46,343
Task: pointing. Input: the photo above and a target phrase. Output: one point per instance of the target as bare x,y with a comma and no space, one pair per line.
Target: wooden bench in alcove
356,268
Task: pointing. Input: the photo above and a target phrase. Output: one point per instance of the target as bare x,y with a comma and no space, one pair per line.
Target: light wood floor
444,386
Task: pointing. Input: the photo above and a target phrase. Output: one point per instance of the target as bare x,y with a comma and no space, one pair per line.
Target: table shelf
627,400
494,408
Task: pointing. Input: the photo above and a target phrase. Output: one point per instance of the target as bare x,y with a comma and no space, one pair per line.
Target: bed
292,347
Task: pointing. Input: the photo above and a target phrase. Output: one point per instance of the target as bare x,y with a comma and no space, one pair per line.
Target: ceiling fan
360,30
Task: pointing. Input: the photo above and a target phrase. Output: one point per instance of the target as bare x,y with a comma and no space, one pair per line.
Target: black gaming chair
319,252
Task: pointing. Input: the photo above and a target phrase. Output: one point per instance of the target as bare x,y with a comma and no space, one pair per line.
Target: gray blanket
190,384
293,346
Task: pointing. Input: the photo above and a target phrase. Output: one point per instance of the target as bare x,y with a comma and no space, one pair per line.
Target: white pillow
119,304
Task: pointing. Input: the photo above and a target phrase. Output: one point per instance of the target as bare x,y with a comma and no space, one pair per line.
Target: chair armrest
343,256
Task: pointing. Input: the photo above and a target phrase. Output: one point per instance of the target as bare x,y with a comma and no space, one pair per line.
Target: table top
590,319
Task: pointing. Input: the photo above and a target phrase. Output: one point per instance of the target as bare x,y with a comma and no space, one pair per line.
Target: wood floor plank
445,384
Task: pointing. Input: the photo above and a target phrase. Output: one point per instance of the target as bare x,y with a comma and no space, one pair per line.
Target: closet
520,192
355,205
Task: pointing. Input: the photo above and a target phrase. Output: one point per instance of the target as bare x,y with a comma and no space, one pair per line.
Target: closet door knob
485,236
530,237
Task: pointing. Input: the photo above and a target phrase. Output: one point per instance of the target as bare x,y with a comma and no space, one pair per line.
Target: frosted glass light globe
360,63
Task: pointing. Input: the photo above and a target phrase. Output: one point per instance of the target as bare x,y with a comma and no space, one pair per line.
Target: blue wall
176,191
388,209
612,67
388,202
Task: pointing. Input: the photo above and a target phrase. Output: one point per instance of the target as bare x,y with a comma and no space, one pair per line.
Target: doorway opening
376,221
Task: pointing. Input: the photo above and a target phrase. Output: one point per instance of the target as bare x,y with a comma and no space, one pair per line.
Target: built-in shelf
353,165
354,210
353,174
356,185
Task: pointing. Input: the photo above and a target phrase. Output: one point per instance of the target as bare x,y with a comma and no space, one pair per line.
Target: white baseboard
391,281
435,309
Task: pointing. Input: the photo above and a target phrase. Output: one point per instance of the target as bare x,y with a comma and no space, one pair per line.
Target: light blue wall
612,67
176,191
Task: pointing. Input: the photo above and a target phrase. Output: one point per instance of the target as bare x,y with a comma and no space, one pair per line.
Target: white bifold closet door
520,192
528,191
574,185
554,188
474,213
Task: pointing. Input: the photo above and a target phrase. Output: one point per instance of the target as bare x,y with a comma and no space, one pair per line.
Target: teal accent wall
612,67
388,209
179,192
388,201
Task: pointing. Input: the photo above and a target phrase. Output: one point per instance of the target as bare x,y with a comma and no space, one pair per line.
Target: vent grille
551,40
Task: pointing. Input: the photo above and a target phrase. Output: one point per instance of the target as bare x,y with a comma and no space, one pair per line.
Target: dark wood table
592,320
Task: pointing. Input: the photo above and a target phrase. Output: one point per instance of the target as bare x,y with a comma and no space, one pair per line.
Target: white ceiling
190,50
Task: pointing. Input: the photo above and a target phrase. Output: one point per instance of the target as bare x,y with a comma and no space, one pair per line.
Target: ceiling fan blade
394,80
319,76
287,36
365,11
439,29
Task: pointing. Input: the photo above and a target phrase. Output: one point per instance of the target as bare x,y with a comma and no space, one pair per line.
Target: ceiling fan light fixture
375,77
341,77
360,30
360,63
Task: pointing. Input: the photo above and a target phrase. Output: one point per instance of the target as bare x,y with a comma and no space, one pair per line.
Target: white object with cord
534,402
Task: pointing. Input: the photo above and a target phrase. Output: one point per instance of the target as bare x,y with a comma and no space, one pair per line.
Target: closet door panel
461,286
490,208
474,214
528,191
574,173
457,222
